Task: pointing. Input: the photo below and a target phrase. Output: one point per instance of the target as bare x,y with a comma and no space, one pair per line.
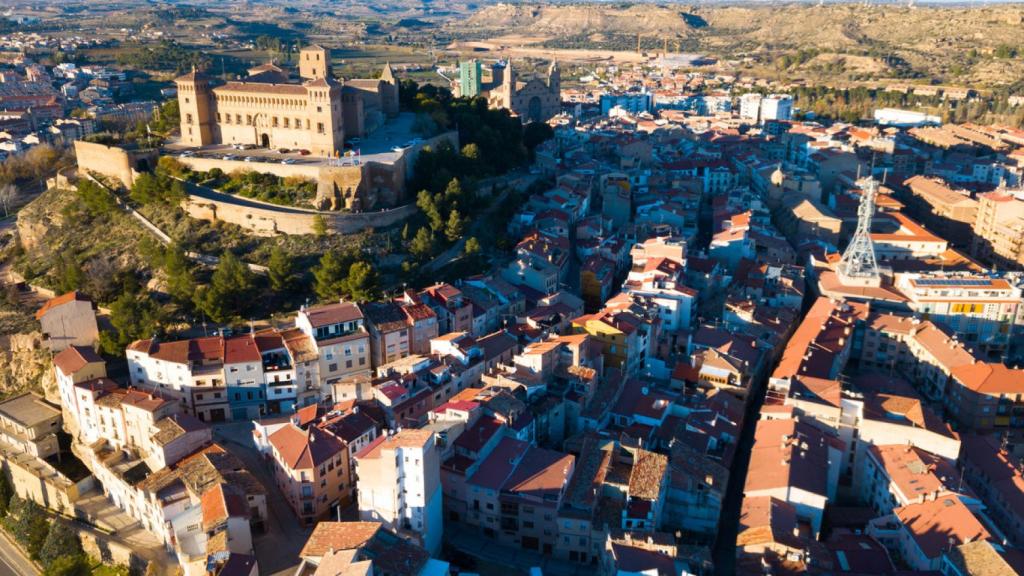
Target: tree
280,270
422,245
96,199
28,523
535,134
472,247
362,284
455,227
329,277
181,284
133,317
405,232
69,565
319,226
68,274
228,293
426,203
6,492
61,540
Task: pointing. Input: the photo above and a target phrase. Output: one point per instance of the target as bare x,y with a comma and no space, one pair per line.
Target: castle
267,109
534,100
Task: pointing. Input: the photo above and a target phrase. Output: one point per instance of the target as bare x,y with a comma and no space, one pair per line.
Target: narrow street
277,549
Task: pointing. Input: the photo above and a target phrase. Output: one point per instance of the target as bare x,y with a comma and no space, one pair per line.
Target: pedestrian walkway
469,540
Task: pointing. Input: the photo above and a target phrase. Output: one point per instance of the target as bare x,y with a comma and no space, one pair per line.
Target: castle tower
389,91
194,103
314,62
327,127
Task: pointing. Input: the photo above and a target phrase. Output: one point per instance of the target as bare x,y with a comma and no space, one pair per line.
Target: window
332,368
319,127
188,118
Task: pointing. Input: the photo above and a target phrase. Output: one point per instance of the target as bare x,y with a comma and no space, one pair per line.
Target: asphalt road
12,561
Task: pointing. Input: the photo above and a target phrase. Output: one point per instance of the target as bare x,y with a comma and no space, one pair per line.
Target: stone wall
311,171
269,221
118,163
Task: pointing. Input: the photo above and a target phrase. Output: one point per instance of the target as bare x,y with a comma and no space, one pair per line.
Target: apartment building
311,468
340,338
999,229
387,325
950,213
400,485
984,312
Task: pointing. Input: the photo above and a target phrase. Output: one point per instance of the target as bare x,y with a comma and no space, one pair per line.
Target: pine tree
329,277
280,270
319,225
455,228
362,282
61,540
422,246
472,247
181,284
229,290
6,492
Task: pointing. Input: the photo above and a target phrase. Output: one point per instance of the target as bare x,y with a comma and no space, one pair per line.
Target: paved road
12,561
277,550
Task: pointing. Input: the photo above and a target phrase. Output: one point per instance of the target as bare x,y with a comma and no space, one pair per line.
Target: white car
288,161
230,157
251,159
188,154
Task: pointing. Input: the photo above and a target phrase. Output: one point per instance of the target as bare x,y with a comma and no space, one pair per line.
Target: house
68,320
340,338
312,470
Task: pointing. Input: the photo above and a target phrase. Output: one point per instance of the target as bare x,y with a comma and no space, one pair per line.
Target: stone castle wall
118,163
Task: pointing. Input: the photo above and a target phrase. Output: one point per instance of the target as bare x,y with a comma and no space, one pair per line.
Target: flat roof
28,410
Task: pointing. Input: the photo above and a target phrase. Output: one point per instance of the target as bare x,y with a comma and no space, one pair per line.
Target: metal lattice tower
858,265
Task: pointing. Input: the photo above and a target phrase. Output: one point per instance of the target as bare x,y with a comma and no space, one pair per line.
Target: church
267,108
533,100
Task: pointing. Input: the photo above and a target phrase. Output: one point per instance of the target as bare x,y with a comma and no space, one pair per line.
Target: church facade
266,109
535,100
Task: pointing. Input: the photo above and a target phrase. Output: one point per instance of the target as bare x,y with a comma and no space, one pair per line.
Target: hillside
951,44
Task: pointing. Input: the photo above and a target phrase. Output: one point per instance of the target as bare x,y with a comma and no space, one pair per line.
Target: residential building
311,467
340,338
400,485
68,320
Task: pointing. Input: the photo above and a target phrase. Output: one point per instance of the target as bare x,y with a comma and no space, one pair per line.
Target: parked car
251,159
304,152
230,157
283,150
288,161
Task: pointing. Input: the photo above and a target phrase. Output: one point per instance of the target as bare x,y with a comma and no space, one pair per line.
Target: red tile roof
305,449
74,358
52,303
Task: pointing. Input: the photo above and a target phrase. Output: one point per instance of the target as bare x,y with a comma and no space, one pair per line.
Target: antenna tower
858,265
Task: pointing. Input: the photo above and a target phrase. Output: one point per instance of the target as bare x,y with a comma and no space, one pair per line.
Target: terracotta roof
766,519
648,473
220,503
936,524
990,378
329,536
241,349
305,449
52,303
74,358
333,314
